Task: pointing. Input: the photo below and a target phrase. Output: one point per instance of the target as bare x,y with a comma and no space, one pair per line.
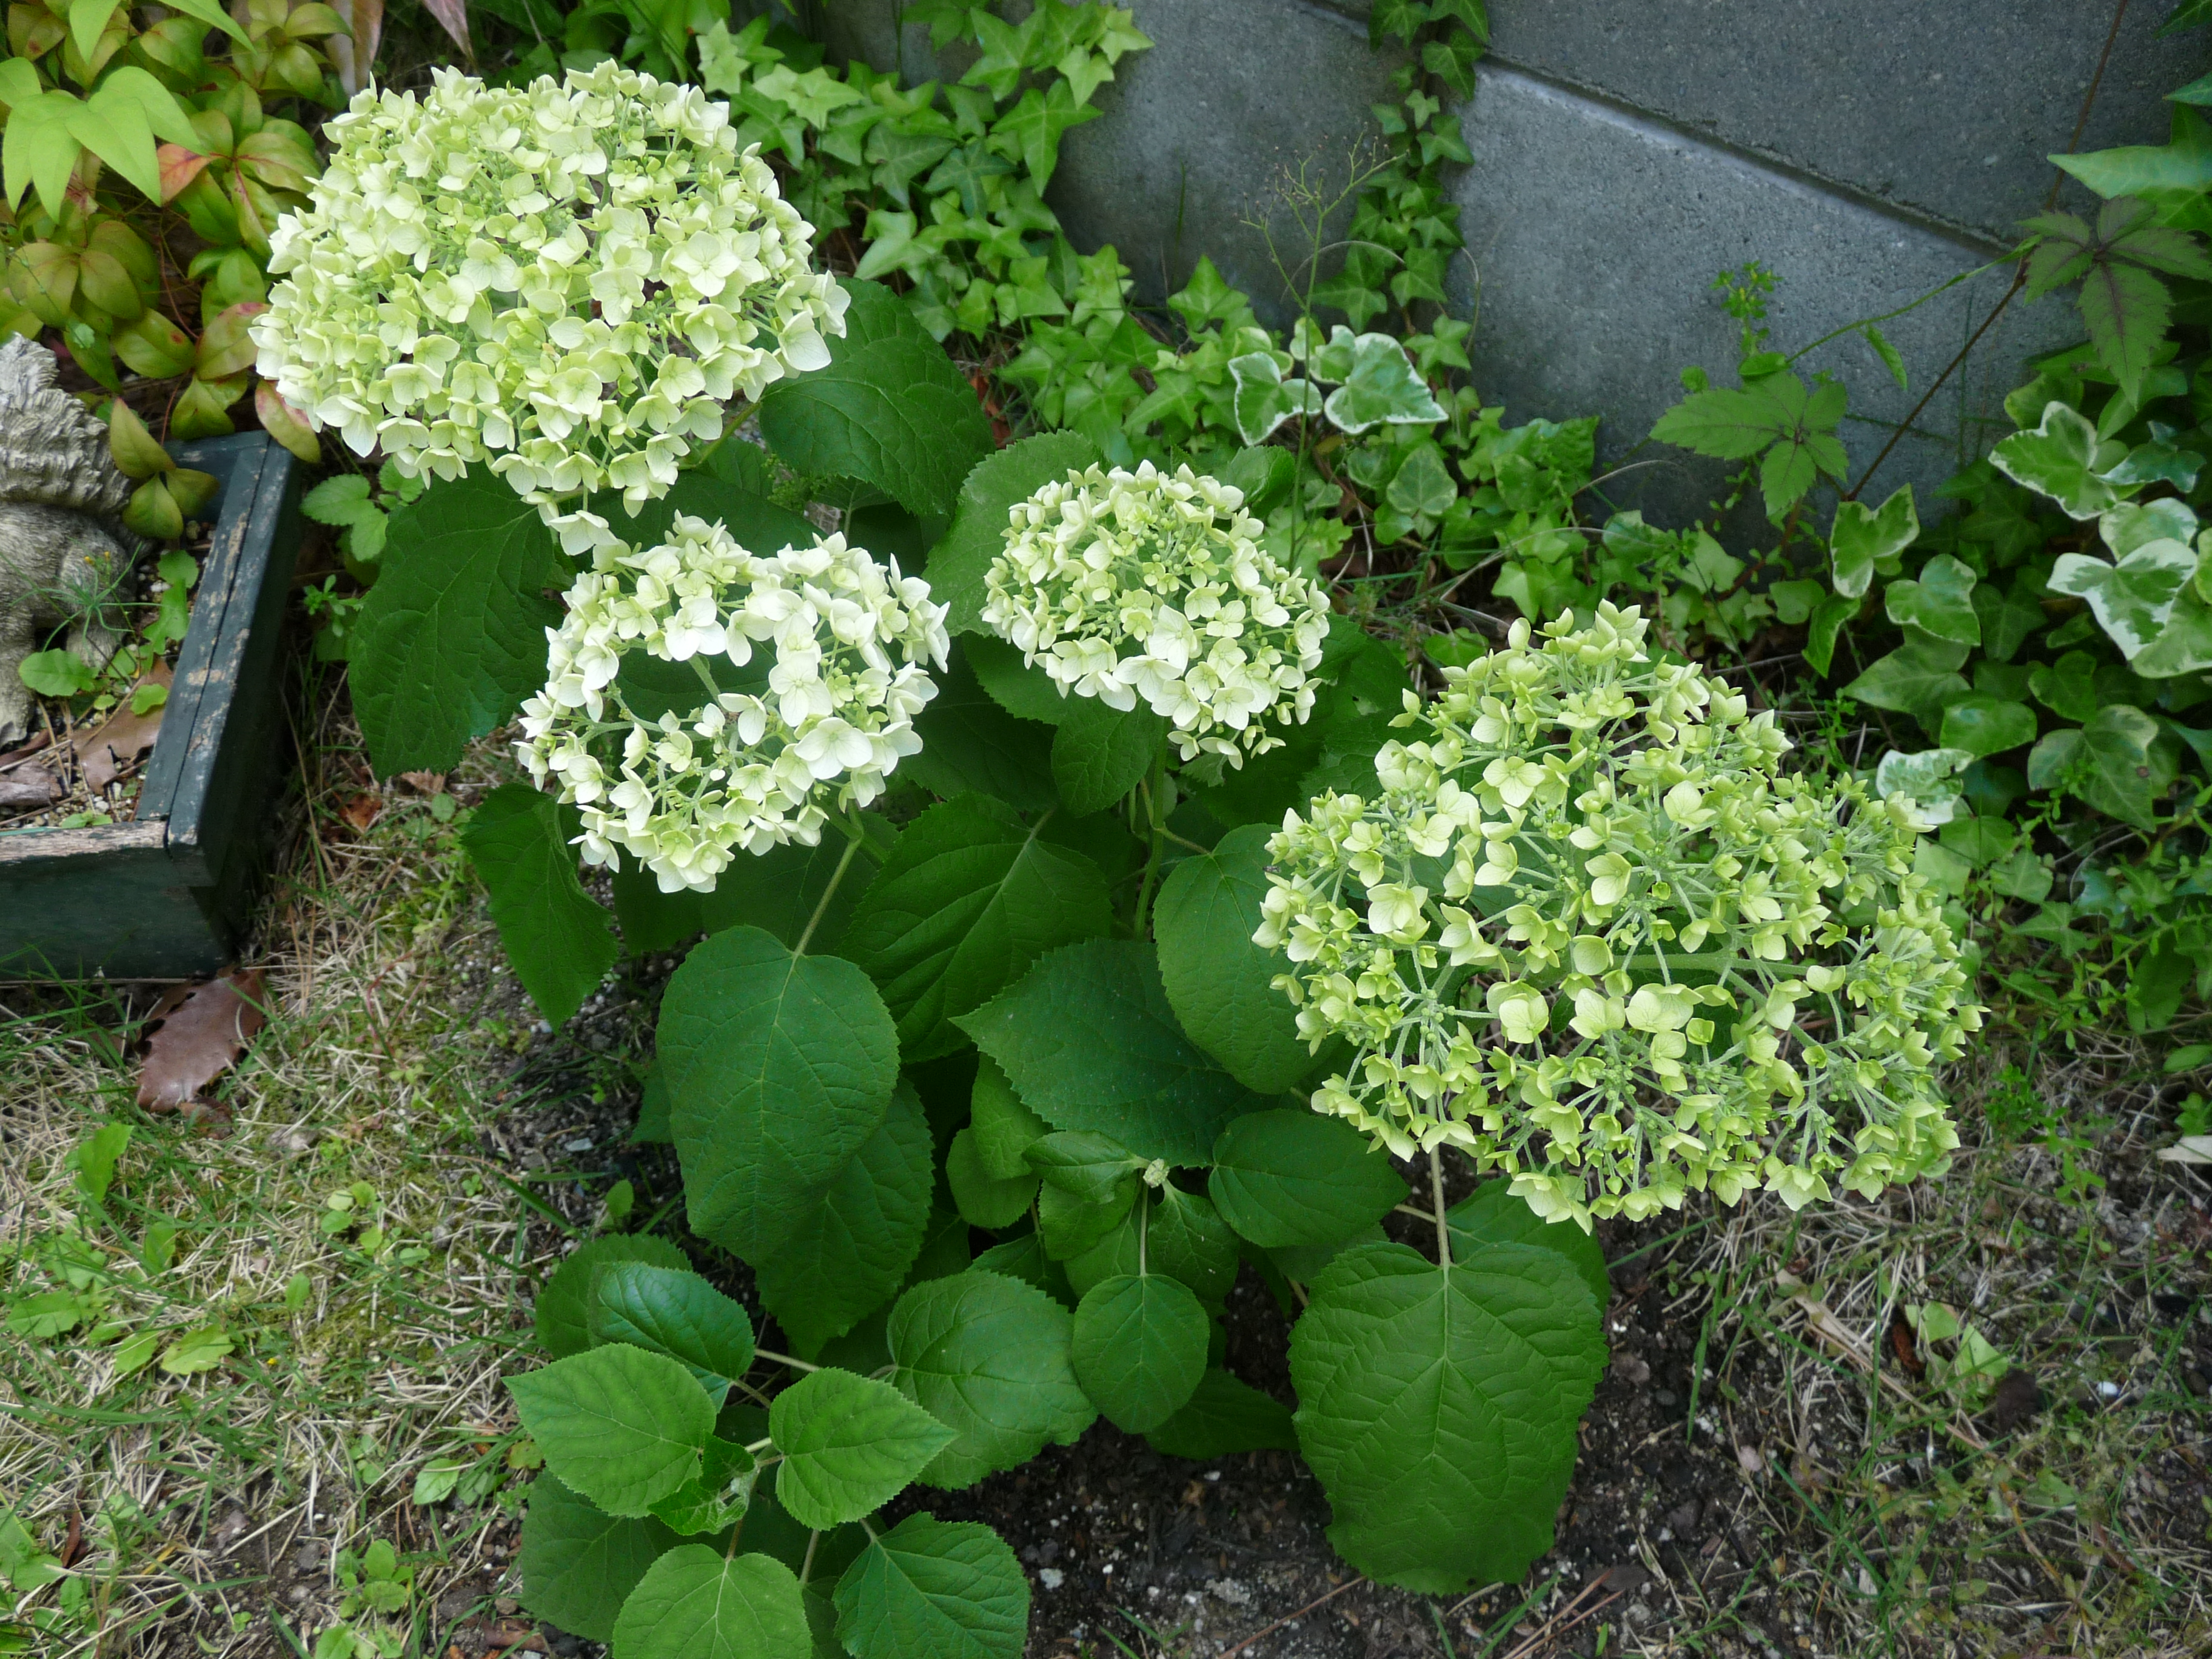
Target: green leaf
1492,1215
1004,1128
696,1603
1381,385
1095,1167
2068,687
984,1200
2062,459
2109,763
1920,674
852,1247
1941,603
672,1312
1777,415
1139,1349
1090,1041
988,1356
1034,126
197,1350
1984,725
934,1590
1225,1417
580,1564
622,1427
1218,981
563,1314
2134,599
451,637
959,564
56,673
1438,1407
558,936
717,1496
1263,400
1023,689
971,745
850,1444
970,897
343,499
1179,1234
779,890
890,410
95,1159
1861,540
779,1069
2125,309
1100,754
1296,1177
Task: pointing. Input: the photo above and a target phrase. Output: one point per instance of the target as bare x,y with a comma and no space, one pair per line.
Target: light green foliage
672,1312
556,934
1408,1375
849,1445
934,1590
1219,983
1789,429
564,1310
1492,1215
696,1603
622,1427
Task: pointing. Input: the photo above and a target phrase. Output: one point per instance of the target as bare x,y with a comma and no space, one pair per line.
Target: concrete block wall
1627,150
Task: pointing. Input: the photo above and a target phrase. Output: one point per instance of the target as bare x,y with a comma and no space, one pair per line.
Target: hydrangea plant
848,642
1586,929
1147,585
566,281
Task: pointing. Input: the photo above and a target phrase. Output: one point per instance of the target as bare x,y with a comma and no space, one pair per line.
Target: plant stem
1437,1191
1154,787
806,1567
772,1357
1144,1228
822,906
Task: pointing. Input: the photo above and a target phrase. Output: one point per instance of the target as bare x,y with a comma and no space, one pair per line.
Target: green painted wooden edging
166,896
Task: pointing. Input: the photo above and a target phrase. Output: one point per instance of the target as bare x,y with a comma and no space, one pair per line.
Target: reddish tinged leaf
195,1034
452,16
2126,310
286,424
226,348
354,57
179,167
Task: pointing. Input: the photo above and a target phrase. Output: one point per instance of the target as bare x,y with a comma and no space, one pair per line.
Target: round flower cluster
1587,930
1128,585
567,280
814,724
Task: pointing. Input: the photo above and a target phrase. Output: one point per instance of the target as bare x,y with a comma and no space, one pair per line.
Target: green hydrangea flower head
1153,585
565,281
1589,930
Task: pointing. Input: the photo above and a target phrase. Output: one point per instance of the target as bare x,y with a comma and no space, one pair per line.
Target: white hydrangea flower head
565,282
829,650
1147,585
1589,931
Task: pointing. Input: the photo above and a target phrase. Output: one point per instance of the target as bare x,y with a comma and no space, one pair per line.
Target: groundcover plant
1086,884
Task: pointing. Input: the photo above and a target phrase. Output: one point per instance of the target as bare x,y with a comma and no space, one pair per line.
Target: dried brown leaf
362,811
195,1034
423,783
29,789
113,747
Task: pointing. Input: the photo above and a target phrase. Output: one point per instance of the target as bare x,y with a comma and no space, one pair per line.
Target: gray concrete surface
1626,150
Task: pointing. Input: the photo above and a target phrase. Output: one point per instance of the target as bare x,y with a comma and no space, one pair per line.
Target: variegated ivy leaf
1863,538
1941,603
1929,779
2063,459
1264,398
2134,599
2129,526
1376,384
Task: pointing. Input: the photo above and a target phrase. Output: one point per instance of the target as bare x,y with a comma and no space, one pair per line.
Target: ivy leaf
2109,764
1862,540
1984,725
580,1564
970,745
451,637
1296,1177
1381,387
623,1428
779,1069
1090,1041
558,936
1034,126
1100,754
2068,687
1438,1407
1920,674
1220,984
959,564
696,1603
1140,1348
562,1315
850,1444
2134,598
1263,400
1941,603
890,410
672,1312
1492,1215
988,1356
2008,617
2062,459
934,1590
852,1247
1223,1417
968,898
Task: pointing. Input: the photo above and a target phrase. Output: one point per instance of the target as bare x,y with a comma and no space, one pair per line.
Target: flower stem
822,905
1155,788
775,1358
1437,1191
